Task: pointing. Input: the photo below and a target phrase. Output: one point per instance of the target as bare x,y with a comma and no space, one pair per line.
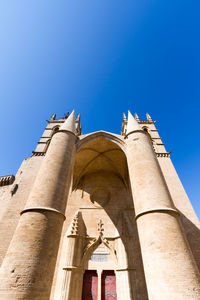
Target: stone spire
136,117
149,117
53,117
124,117
132,124
69,124
78,118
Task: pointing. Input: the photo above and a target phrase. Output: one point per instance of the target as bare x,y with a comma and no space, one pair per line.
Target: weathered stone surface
99,201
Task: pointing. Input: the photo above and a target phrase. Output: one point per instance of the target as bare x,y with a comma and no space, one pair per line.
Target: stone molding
164,154
71,268
56,121
126,269
118,140
159,210
146,122
43,209
133,131
65,131
34,153
120,236
7,180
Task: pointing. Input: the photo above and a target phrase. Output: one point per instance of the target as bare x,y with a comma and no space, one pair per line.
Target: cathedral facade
98,216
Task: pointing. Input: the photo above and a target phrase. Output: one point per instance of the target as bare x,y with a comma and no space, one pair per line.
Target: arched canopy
115,138
100,152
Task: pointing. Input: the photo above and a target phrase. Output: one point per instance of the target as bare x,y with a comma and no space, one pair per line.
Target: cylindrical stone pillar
123,285
72,284
76,284
73,272
170,270
122,276
28,268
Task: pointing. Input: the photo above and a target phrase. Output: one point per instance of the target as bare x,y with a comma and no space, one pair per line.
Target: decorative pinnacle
69,124
136,117
78,118
74,224
53,117
149,117
132,124
100,227
124,116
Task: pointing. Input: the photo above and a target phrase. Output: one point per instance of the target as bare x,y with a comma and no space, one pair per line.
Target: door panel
108,286
90,285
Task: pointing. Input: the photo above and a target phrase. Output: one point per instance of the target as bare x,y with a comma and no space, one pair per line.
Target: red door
90,285
108,288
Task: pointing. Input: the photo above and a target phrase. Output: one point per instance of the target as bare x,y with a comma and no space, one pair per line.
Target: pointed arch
93,245
100,151
116,139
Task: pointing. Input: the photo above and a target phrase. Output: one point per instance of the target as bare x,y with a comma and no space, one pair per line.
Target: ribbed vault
97,156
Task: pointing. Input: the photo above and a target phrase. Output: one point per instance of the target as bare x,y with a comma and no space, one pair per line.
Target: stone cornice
146,122
65,131
56,121
35,153
158,210
41,209
125,269
164,154
138,130
7,180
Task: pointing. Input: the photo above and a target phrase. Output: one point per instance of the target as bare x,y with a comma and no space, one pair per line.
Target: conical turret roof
132,124
69,124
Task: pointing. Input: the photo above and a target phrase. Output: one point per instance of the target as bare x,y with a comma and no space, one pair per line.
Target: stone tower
98,216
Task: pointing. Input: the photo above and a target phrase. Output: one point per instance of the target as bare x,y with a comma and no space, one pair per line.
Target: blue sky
101,58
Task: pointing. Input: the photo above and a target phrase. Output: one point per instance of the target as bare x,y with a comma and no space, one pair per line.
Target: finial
65,116
136,117
74,228
69,124
78,118
132,124
149,117
124,116
78,125
53,117
100,227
